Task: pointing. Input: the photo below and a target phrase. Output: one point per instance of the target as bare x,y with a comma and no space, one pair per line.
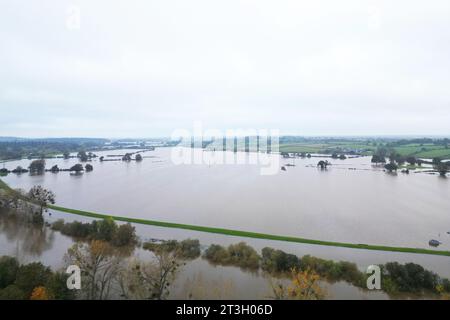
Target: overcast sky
145,68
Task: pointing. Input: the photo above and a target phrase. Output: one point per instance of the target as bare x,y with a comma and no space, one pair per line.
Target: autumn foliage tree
304,286
40,293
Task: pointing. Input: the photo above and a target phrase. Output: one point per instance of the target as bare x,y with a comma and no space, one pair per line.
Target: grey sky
145,68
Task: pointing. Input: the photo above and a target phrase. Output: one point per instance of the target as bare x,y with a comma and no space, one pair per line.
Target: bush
106,230
217,254
8,271
31,276
277,261
240,255
124,235
186,249
12,292
57,287
190,248
410,277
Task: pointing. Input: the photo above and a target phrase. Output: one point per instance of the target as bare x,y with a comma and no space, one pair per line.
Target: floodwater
351,201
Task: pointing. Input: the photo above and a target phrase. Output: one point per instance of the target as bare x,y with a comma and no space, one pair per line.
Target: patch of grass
441,153
256,235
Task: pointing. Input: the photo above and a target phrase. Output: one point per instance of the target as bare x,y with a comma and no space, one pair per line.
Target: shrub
277,261
186,249
240,255
8,271
124,235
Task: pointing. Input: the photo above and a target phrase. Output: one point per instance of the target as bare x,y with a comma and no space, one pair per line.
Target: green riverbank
248,234
240,233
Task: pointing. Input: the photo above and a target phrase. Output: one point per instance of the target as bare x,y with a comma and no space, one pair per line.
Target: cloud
146,68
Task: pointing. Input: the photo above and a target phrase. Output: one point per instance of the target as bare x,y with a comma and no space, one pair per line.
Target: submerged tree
150,280
378,159
100,268
323,164
391,167
83,156
41,197
77,168
126,157
442,167
37,166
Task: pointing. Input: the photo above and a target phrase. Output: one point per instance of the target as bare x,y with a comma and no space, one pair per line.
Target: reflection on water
29,242
30,239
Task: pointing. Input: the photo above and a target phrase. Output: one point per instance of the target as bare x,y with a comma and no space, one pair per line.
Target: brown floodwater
352,201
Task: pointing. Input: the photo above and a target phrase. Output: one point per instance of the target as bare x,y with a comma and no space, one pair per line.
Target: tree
37,166
82,156
100,268
138,157
88,167
12,292
41,197
54,169
442,168
323,164
126,157
125,235
436,160
66,155
378,159
40,293
105,229
277,261
391,167
411,160
342,157
57,287
304,286
77,168
8,271
409,277
31,276
19,170
150,280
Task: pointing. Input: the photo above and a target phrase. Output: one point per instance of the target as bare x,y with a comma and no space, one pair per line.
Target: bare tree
99,267
41,197
150,280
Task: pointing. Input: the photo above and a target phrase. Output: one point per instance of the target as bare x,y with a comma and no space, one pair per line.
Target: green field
426,151
423,151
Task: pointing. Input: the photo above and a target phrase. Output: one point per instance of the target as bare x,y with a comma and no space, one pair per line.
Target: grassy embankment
240,233
247,234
